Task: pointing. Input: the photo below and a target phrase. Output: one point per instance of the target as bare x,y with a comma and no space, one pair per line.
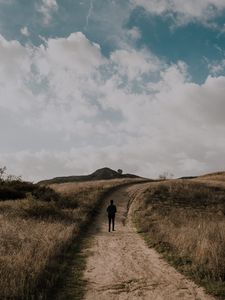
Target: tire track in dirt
121,266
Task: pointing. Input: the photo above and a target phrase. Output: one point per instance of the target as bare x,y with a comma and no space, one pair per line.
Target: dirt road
121,266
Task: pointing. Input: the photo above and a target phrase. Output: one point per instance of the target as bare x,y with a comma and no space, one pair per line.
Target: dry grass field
34,232
218,176
185,221
182,219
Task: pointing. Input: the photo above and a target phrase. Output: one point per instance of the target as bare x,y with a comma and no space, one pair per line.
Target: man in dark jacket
111,210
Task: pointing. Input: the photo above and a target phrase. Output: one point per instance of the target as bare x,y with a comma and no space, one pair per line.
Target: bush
8,192
46,194
16,189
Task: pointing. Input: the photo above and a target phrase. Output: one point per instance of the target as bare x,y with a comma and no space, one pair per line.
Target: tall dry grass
26,247
185,220
34,232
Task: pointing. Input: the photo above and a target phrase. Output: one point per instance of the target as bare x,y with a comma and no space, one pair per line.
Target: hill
100,174
214,176
218,176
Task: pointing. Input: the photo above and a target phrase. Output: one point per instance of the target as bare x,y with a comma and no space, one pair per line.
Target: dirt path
121,266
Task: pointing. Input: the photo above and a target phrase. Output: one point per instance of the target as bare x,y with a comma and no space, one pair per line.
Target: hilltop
100,174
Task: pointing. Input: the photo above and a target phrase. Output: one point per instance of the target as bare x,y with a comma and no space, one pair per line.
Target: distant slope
100,174
214,176
188,177
219,176
216,179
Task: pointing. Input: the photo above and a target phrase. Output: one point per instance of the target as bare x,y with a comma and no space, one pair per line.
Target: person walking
111,210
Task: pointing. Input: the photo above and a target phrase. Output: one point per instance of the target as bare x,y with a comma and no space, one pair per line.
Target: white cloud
133,64
79,54
76,111
15,66
216,67
47,8
134,33
25,31
186,11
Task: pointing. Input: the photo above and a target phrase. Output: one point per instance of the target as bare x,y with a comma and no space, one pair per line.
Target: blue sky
195,43
135,84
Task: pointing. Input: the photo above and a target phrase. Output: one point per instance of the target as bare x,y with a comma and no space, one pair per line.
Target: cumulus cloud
47,8
184,11
70,110
79,54
133,63
14,71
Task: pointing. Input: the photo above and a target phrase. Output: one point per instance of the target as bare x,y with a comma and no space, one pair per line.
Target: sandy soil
121,266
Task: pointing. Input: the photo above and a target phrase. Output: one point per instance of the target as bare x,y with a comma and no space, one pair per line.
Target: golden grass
214,179
33,233
220,176
26,247
185,220
75,187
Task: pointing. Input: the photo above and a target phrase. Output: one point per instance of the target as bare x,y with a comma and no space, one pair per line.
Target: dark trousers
111,220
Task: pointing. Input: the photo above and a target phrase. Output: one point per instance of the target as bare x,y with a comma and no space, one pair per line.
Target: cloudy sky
132,84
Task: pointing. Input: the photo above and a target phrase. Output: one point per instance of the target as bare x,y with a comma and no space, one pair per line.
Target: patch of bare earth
121,266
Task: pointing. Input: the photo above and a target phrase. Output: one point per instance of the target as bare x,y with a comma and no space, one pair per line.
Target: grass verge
185,222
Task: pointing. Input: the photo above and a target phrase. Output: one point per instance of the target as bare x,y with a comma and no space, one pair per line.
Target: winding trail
121,266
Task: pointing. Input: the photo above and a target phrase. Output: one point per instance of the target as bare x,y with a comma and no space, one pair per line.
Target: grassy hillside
217,176
185,221
37,229
213,179
100,174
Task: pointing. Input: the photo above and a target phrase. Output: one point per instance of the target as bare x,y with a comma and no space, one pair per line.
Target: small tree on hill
166,175
120,171
8,178
2,173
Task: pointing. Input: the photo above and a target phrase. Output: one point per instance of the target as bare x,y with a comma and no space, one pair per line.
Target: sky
135,84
